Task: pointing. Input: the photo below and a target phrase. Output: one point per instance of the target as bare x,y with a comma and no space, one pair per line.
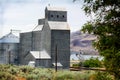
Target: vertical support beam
56,58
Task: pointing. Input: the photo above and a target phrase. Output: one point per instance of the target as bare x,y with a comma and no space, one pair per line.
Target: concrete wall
46,38
56,15
43,63
29,58
30,41
41,21
36,41
25,46
61,38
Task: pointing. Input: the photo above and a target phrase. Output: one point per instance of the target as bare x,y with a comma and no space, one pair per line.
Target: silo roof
9,38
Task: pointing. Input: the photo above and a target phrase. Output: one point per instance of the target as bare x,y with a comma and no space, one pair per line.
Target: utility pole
56,58
39,58
9,54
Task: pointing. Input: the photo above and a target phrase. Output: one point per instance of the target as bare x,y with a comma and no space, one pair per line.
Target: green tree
92,62
106,26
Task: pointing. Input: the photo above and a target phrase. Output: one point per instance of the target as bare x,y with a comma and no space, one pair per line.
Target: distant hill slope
82,42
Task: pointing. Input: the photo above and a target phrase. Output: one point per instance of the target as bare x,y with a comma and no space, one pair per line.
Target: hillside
82,42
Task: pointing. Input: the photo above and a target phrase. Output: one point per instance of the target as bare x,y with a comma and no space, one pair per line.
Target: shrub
64,76
40,74
68,75
101,76
13,70
76,65
32,77
92,62
7,76
4,68
26,69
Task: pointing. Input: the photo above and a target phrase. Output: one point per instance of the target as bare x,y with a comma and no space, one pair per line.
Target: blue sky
23,14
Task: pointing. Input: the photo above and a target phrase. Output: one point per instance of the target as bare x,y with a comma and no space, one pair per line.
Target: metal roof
38,28
55,8
40,54
9,38
55,25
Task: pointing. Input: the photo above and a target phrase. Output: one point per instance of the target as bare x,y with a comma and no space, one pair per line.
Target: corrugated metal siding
9,38
9,53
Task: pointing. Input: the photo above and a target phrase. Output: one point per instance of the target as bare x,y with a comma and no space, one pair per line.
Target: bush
40,74
92,62
7,76
26,69
68,75
101,76
32,77
76,65
12,72
64,76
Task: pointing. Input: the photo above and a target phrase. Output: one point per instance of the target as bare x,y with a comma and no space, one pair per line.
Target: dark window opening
63,16
51,15
57,16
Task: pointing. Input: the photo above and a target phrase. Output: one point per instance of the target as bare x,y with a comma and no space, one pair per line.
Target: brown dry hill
82,42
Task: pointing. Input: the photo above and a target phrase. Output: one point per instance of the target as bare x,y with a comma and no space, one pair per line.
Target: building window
51,15
57,16
63,16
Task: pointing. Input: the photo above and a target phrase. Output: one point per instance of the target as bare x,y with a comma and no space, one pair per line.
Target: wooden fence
84,68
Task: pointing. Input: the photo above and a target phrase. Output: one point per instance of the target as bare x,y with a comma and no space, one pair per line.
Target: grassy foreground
12,72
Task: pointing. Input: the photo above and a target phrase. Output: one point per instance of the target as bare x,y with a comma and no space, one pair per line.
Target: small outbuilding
41,58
